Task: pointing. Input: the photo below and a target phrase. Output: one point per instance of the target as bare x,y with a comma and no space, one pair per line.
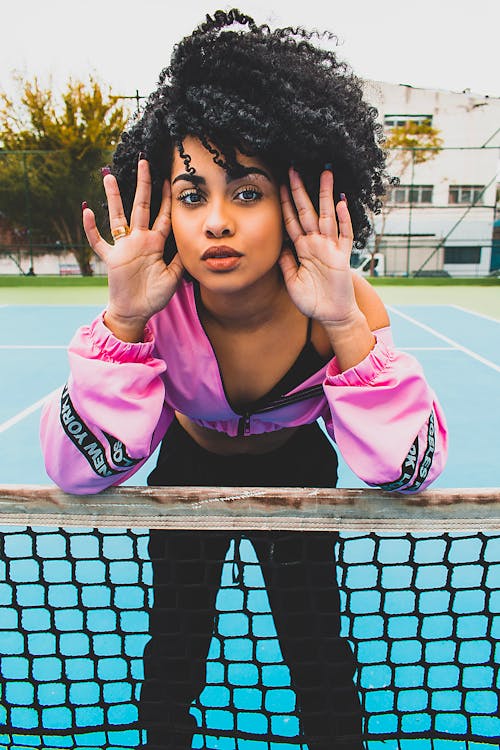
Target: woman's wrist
130,330
351,340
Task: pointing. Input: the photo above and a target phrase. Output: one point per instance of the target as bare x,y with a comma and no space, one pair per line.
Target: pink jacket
120,399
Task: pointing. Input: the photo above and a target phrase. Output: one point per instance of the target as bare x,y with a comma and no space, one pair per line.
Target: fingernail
343,198
142,155
329,167
84,205
105,171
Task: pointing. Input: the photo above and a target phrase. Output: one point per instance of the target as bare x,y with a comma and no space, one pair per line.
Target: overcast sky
444,44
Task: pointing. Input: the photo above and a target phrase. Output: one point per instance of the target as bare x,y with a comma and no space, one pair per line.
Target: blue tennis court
421,611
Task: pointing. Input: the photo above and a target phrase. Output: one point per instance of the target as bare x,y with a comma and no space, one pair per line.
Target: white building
441,216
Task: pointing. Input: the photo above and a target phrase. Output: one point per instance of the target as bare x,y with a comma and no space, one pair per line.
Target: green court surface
479,295
480,299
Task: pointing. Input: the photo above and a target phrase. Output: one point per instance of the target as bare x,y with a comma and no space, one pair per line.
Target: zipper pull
244,425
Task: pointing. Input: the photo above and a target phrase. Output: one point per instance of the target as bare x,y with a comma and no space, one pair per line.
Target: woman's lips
221,257
223,262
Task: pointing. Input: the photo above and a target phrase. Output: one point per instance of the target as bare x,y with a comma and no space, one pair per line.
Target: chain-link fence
429,224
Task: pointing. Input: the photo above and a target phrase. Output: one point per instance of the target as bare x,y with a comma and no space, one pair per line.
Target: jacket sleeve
386,419
109,417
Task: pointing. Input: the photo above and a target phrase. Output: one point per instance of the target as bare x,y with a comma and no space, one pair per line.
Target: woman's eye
248,194
190,197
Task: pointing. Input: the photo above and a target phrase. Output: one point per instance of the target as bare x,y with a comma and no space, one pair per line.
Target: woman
233,323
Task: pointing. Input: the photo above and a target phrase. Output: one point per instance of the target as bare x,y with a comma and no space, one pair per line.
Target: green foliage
417,138
53,149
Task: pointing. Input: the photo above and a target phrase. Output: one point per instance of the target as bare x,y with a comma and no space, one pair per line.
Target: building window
457,255
411,194
399,121
465,194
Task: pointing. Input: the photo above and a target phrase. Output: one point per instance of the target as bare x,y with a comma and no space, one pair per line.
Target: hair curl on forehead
269,93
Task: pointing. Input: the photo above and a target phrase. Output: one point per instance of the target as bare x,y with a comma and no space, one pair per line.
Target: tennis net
87,584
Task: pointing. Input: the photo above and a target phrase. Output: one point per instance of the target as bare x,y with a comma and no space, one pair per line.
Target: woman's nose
218,222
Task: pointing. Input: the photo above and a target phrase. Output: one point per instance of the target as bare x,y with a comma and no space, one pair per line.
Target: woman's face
228,229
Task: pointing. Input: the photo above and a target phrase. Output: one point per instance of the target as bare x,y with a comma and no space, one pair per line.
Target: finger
162,222
116,213
306,212
290,219
96,242
141,207
288,264
346,234
327,221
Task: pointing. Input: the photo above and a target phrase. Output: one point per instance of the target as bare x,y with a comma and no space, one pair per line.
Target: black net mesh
391,642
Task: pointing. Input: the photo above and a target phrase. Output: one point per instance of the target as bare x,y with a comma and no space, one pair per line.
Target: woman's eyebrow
241,171
232,175
195,179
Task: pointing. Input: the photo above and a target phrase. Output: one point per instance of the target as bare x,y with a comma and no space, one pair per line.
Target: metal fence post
410,212
28,208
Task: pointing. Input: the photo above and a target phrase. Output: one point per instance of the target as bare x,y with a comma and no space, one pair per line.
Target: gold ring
119,232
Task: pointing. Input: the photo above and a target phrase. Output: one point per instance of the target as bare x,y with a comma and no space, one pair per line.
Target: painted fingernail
142,155
329,167
84,205
343,198
105,171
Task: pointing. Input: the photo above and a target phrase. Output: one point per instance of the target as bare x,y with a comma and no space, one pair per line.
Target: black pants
299,573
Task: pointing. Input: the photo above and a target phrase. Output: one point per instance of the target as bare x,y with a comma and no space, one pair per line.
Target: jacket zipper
244,421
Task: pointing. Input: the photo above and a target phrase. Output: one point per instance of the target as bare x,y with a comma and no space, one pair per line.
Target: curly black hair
236,85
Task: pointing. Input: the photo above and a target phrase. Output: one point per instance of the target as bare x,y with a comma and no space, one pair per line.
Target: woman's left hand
321,286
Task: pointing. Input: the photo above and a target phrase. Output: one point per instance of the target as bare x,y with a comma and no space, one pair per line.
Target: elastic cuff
114,349
365,372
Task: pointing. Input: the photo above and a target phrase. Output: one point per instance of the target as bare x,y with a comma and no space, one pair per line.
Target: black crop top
307,363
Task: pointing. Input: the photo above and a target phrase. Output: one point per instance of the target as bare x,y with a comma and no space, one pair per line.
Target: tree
59,146
407,145
414,140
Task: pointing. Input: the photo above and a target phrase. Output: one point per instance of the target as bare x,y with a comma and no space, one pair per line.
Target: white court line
427,348
441,336
30,346
26,412
473,312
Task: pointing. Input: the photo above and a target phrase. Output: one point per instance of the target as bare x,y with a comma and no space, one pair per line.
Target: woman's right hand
139,281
